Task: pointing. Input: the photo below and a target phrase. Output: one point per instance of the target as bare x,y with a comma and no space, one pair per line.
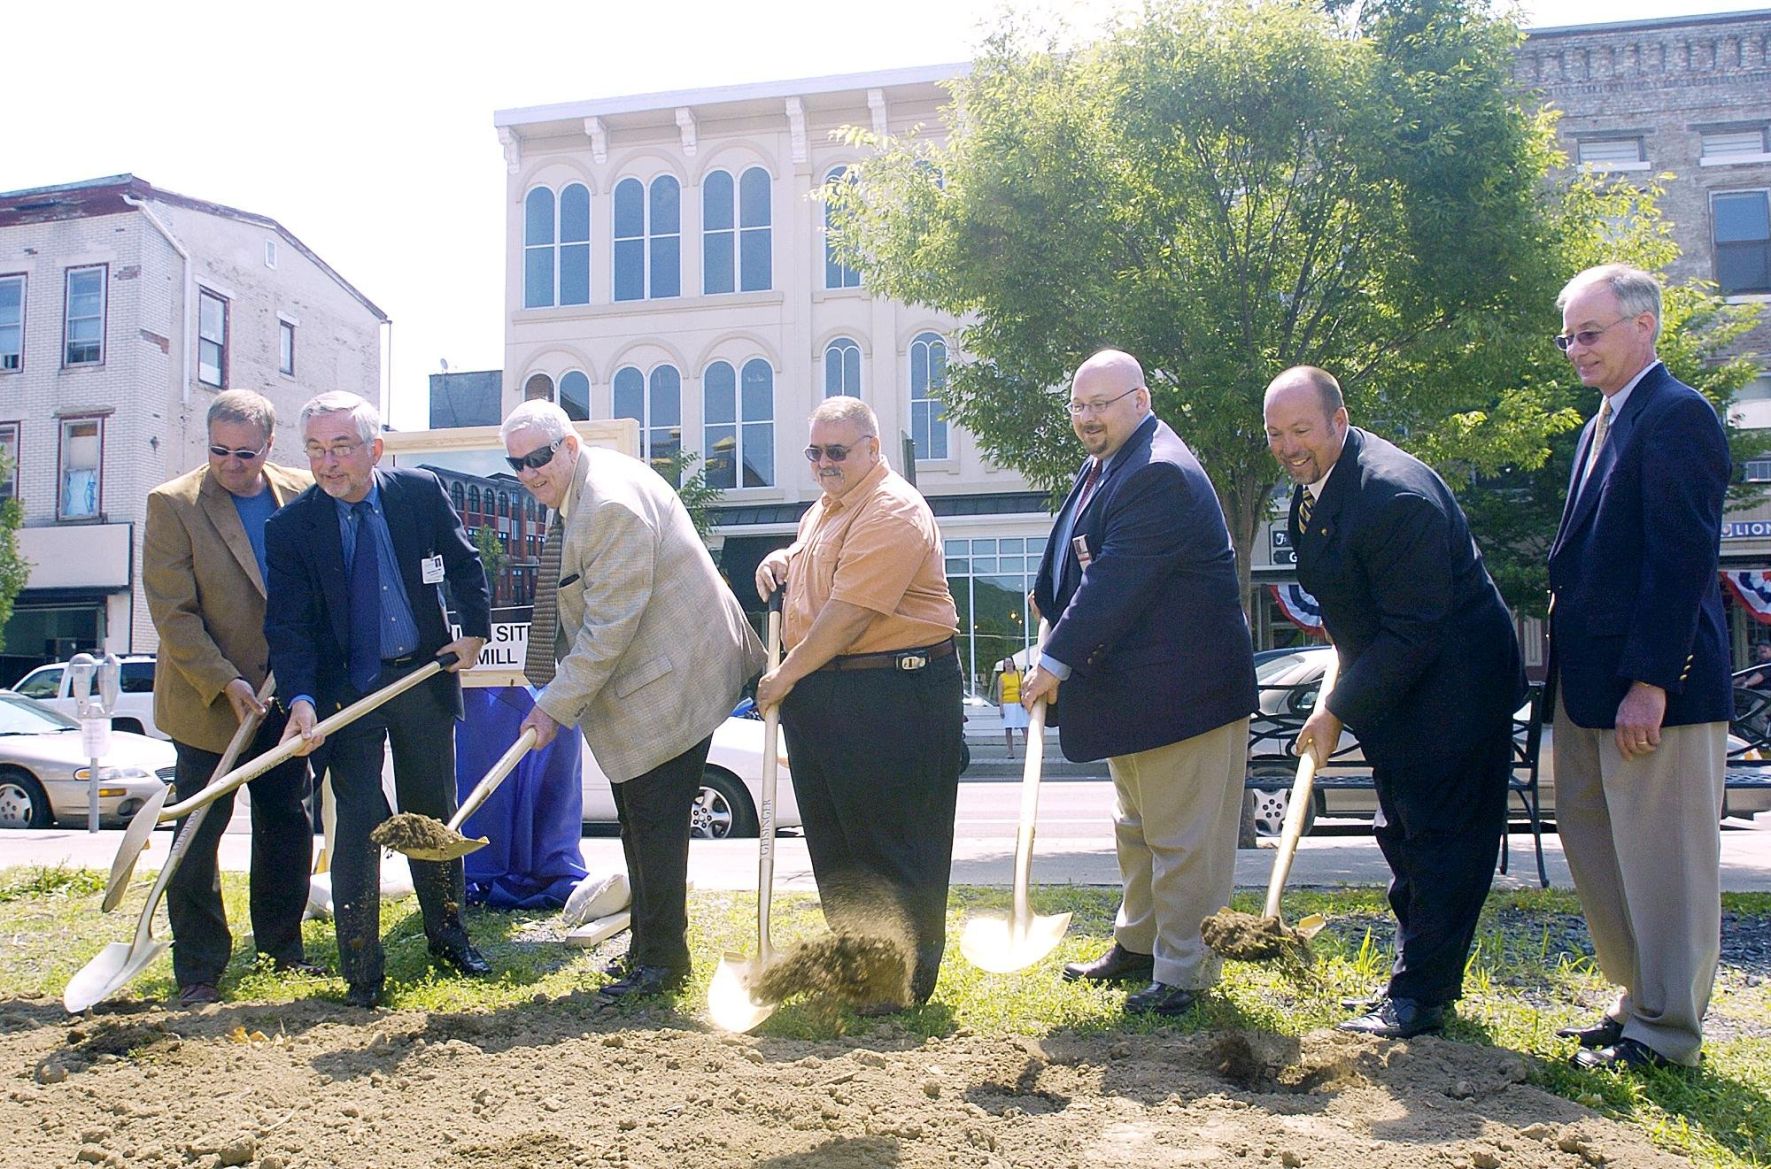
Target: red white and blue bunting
1752,588
1301,609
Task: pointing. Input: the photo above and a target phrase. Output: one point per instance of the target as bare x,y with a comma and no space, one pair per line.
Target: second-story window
648,239
212,339
737,244
1743,241
286,348
836,273
82,461
738,441
928,377
84,336
655,401
842,368
12,323
556,246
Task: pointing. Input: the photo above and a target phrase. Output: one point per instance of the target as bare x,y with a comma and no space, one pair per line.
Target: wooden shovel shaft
242,735
765,834
1031,767
1301,793
483,790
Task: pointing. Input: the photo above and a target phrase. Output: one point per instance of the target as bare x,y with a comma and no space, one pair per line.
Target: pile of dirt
410,832
1248,938
564,1083
840,968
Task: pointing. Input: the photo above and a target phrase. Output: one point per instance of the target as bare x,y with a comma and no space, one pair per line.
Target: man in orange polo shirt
870,690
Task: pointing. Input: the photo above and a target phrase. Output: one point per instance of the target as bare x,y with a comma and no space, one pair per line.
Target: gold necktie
1601,429
1305,506
544,624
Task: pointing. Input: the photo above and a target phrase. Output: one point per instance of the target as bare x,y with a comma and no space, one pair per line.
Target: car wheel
22,801
127,724
1267,806
965,756
722,809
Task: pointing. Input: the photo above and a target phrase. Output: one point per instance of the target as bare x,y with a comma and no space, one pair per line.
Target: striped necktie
1305,506
544,624
1601,429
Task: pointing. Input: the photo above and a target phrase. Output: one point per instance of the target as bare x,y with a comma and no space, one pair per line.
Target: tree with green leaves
697,494
1228,189
493,557
15,570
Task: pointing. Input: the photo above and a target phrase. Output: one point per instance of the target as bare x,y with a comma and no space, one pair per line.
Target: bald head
1306,422
1108,401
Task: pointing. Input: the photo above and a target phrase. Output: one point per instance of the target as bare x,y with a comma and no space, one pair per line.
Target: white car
43,769
52,686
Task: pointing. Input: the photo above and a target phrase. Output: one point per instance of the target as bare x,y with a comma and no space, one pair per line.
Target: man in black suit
1430,677
357,565
1149,640
1639,652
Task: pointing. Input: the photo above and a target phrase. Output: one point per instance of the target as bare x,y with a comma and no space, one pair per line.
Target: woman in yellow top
1008,698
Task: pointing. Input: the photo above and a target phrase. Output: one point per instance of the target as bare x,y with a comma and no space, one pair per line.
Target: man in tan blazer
203,572
652,650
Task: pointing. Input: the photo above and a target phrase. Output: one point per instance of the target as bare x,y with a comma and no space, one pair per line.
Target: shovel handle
242,735
1299,807
483,790
765,833
285,751
1032,764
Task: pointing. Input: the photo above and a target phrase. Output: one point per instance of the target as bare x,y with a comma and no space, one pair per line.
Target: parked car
1288,688
43,769
52,686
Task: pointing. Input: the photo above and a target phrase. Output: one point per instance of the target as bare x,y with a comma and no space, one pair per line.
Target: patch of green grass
1531,971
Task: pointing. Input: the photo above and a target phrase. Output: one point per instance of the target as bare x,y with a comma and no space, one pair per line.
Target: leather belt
395,663
894,659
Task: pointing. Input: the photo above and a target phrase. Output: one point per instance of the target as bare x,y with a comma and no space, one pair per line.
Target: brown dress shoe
198,994
1116,965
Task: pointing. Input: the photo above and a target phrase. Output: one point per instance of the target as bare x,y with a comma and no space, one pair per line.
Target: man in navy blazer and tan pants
1639,651
1149,639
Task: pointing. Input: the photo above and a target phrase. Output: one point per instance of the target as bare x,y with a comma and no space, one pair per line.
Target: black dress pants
876,773
654,812
282,853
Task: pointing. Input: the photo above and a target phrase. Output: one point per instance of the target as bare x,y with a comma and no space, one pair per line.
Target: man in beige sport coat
203,573
652,650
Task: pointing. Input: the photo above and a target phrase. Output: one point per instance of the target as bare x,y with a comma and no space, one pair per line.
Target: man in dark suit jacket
1430,677
1150,642
328,648
1639,649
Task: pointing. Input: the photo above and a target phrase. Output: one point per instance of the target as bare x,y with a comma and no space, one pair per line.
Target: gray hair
843,408
540,415
1637,291
365,415
245,406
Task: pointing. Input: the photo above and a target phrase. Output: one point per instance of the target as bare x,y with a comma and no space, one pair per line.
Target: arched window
738,442
473,500
538,243
656,403
457,496
575,244
539,385
836,273
928,377
556,249
648,240
575,396
842,368
504,504
736,247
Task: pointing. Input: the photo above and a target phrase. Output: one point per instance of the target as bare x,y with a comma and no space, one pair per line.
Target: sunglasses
241,453
535,459
833,452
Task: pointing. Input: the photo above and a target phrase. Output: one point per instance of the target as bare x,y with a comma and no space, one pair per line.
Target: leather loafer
1604,1033
366,995
645,980
1396,1018
1159,998
463,959
1626,1055
1116,965
198,994
302,967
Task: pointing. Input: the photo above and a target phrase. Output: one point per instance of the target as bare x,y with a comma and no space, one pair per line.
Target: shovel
426,844
143,823
729,1001
1004,945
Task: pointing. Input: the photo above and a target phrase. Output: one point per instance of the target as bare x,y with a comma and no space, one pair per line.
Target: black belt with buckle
893,659
396,663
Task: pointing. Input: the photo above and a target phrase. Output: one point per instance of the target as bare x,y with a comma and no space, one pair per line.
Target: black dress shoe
300,966
1604,1033
463,959
366,995
198,994
1626,1055
1396,1018
645,980
1159,998
1116,965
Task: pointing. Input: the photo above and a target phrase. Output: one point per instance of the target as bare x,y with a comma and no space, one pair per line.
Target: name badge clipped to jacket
432,567
1079,546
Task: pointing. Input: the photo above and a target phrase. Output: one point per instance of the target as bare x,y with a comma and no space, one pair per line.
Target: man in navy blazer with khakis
1150,644
330,645
1430,676
1639,654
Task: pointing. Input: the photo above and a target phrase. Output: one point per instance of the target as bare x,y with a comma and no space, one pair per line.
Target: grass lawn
1532,972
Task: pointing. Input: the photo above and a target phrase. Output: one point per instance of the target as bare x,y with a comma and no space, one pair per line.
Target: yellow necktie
1305,505
1601,429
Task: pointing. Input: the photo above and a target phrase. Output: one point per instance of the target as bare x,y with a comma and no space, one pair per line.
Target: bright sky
367,131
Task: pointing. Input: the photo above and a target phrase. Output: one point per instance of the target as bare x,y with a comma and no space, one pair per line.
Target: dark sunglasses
241,453
833,452
535,459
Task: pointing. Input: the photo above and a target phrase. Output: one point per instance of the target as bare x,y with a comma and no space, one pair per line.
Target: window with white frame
836,273
928,377
655,401
990,578
648,239
78,496
575,244
1623,152
842,368
736,242
12,323
1758,471
84,332
212,338
286,348
738,441
539,385
8,460
1734,145
1742,229
575,395
538,248
556,246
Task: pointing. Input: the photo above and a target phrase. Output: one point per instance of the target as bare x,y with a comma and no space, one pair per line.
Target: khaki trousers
1179,808
1643,840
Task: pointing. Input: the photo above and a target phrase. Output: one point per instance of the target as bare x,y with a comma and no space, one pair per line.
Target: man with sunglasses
870,693
638,641
203,572
1639,659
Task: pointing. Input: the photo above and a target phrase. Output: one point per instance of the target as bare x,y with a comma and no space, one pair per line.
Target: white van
51,684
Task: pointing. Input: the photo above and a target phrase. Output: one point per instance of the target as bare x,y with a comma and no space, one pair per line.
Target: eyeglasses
1565,341
338,450
535,459
834,452
241,453
1083,409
